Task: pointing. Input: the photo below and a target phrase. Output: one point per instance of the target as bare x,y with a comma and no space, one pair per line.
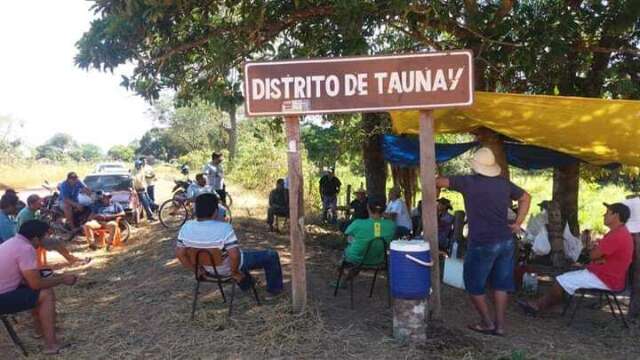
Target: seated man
23,288
610,261
32,212
357,209
278,203
8,209
70,189
104,214
198,187
363,231
207,233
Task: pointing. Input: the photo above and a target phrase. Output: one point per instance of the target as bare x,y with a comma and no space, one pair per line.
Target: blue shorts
489,264
21,299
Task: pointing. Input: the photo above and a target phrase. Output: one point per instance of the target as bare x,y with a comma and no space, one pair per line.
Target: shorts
580,279
489,264
21,299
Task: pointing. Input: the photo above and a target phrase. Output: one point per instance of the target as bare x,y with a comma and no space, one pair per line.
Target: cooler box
410,269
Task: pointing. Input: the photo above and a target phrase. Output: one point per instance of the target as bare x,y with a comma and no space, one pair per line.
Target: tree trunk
566,185
375,168
233,133
554,229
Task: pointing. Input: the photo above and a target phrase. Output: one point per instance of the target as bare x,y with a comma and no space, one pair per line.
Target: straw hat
484,163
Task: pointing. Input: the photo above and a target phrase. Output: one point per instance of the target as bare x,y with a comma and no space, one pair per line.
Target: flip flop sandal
479,329
57,351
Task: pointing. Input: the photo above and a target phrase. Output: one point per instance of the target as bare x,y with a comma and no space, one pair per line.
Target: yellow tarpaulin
594,130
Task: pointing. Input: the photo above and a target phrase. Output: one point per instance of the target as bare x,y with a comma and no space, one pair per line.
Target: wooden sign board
359,84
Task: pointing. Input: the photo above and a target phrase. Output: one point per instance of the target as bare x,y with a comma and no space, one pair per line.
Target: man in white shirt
207,233
215,175
398,212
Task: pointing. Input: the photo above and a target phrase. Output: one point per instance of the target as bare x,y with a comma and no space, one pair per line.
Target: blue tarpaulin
404,151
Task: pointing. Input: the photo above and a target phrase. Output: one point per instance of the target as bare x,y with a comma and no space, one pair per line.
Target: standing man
150,178
215,175
489,258
140,186
329,190
70,189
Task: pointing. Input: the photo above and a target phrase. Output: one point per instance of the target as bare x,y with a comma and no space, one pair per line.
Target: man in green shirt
363,231
32,212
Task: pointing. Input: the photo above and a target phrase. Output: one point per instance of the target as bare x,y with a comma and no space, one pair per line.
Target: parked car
111,168
121,187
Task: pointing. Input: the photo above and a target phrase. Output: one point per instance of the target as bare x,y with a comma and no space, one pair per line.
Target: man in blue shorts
490,254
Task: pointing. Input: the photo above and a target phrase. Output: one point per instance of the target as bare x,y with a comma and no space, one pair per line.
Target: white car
111,168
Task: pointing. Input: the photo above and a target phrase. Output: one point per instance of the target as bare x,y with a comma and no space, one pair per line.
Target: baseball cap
621,209
377,204
445,202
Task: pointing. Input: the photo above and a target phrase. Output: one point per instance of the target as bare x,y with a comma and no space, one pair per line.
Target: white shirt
398,207
633,224
536,223
210,234
215,175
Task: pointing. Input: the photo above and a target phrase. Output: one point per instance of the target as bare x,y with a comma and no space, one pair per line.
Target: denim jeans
146,203
491,264
262,259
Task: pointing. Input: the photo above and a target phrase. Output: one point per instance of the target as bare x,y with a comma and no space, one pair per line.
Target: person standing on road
150,178
490,253
140,185
329,190
215,175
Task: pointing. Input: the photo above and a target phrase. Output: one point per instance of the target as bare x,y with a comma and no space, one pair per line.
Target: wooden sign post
291,88
429,206
296,215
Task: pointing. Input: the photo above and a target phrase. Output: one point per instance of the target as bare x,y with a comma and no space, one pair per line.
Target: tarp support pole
296,215
429,206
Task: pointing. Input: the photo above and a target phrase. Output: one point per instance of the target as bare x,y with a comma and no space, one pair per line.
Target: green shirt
25,215
363,231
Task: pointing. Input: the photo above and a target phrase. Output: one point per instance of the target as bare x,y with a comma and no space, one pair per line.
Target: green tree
90,152
59,147
155,142
121,152
9,141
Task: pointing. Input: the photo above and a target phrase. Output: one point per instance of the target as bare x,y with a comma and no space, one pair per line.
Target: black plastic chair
608,294
12,334
213,258
355,269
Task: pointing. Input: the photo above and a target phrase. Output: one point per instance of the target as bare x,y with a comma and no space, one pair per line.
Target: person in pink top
610,261
24,287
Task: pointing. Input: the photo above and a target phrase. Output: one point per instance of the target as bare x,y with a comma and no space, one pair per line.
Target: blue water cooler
410,269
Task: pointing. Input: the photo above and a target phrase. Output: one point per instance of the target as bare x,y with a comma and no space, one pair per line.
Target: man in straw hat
489,259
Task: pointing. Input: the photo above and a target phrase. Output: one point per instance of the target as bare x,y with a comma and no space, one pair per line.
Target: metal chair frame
12,333
599,292
213,258
355,269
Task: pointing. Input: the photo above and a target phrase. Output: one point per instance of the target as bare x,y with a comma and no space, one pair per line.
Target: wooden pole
429,207
296,215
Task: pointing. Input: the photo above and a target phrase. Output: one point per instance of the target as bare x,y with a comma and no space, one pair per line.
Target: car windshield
108,182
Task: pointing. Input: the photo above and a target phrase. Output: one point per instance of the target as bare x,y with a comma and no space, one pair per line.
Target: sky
41,87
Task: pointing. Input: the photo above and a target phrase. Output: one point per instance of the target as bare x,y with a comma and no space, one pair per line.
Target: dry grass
134,303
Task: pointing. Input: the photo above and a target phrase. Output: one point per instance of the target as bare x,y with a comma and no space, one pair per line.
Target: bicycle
176,211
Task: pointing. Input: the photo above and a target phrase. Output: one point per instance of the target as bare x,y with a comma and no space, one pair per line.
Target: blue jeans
491,263
146,203
262,259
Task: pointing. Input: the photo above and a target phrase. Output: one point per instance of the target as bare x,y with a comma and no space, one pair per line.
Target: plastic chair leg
340,273
233,295
224,297
14,336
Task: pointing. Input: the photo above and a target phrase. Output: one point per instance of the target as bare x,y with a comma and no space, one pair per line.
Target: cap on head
484,163
621,209
376,204
544,204
8,200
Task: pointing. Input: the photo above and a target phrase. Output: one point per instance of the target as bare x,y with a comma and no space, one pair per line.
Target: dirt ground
134,303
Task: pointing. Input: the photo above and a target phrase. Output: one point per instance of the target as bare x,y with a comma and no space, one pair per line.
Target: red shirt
617,248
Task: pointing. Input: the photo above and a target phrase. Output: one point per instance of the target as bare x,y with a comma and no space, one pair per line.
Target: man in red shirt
610,261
